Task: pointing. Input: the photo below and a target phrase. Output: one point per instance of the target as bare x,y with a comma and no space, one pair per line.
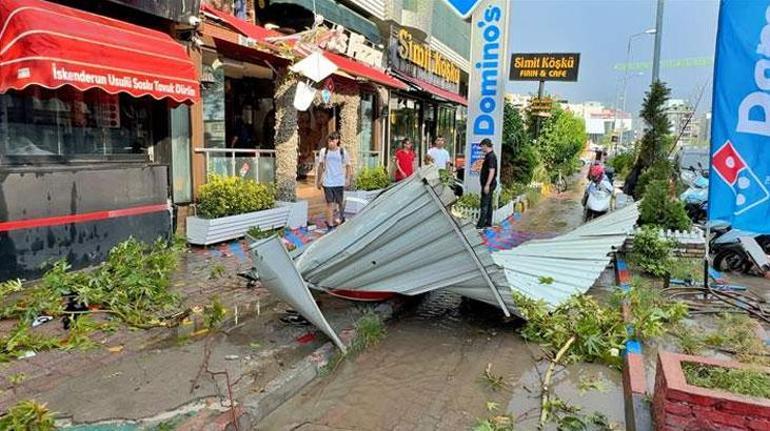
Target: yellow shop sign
426,58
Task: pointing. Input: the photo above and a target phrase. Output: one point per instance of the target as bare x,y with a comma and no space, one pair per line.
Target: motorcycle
597,199
695,198
737,251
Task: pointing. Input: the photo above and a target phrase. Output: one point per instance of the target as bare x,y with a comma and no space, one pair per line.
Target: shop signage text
128,82
426,58
358,49
486,89
544,67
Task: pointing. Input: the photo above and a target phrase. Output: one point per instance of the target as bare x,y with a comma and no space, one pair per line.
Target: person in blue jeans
488,180
334,173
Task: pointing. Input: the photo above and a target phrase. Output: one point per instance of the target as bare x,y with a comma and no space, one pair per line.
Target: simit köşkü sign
544,67
486,87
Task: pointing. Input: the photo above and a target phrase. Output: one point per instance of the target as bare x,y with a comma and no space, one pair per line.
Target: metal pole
540,91
658,40
625,87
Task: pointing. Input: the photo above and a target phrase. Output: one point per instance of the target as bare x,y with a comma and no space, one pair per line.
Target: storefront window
461,120
213,95
368,154
404,122
445,126
70,124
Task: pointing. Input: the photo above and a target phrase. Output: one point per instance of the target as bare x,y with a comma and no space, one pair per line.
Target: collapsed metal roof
405,242
555,269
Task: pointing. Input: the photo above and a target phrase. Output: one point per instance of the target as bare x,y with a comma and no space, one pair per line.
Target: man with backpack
334,173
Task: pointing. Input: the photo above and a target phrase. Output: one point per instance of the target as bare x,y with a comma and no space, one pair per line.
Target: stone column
286,139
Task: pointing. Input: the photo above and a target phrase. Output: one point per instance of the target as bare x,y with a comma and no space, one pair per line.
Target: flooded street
428,372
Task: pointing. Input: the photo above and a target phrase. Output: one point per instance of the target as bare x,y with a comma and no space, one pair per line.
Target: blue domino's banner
739,181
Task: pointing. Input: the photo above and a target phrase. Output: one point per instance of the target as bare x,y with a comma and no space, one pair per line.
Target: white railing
255,164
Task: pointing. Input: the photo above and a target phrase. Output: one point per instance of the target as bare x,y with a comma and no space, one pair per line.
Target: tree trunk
286,139
349,119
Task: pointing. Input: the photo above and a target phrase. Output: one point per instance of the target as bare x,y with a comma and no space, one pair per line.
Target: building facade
94,127
684,125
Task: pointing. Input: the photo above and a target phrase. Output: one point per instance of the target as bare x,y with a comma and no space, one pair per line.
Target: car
689,158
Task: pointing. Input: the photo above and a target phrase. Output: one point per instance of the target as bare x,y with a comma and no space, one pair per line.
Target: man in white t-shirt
439,155
334,173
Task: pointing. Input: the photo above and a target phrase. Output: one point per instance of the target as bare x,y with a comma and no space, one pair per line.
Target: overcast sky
599,31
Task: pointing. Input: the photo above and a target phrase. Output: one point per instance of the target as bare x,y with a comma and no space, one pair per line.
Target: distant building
684,124
705,128
519,101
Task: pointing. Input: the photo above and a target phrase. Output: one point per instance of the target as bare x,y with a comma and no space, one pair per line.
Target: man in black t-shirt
488,179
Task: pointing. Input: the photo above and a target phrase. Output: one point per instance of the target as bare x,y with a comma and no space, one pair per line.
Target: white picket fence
498,215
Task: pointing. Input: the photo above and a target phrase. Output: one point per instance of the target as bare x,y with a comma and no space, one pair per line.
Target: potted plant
228,206
370,182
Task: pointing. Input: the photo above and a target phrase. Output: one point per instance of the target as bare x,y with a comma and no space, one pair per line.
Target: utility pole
540,91
658,39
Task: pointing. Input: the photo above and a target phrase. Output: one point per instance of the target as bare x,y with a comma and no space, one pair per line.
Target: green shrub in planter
469,200
372,179
224,196
651,252
509,193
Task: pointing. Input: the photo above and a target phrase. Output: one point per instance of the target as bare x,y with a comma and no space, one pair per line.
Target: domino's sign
464,8
739,190
486,84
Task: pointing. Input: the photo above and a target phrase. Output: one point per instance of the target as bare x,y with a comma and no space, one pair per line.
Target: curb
637,407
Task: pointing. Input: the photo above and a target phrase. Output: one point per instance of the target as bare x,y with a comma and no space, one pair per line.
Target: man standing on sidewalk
488,184
439,155
334,173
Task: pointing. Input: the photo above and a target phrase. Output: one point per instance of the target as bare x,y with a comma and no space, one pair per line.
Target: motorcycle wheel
732,261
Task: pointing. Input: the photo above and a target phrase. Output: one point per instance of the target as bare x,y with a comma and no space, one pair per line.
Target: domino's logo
738,175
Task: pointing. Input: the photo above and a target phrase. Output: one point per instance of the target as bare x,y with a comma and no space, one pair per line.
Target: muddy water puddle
427,374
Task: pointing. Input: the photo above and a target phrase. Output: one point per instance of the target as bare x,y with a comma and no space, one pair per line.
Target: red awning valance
361,70
434,90
51,45
347,65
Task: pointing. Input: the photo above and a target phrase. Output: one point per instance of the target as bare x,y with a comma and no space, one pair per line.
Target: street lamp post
650,31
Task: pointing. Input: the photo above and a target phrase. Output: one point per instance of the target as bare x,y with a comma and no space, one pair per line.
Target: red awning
250,30
51,45
434,90
361,70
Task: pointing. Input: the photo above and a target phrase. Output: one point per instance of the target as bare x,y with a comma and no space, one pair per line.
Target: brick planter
679,406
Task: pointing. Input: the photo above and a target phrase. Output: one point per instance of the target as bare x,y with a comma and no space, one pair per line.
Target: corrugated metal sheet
278,274
405,242
557,268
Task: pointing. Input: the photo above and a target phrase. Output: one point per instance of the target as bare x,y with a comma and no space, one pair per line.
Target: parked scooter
739,251
695,198
598,194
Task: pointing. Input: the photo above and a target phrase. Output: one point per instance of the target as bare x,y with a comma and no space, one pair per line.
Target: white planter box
356,200
201,231
297,213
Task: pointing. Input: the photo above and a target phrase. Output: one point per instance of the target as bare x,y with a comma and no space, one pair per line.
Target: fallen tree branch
545,396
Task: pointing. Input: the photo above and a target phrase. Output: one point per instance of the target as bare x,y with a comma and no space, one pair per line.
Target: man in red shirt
404,160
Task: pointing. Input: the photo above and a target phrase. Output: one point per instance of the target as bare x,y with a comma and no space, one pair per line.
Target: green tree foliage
519,157
561,141
656,142
659,208
662,170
